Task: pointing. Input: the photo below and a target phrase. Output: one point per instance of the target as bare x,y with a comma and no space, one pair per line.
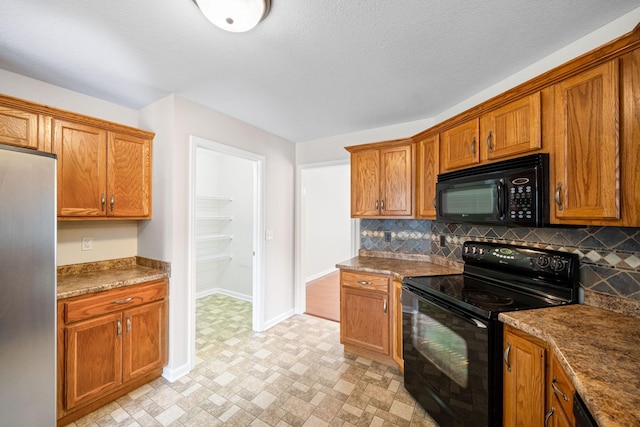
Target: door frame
299,277
258,160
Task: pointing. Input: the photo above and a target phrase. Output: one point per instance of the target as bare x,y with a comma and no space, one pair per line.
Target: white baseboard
226,292
270,323
173,374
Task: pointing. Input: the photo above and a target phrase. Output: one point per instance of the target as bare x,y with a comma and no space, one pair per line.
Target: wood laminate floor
323,297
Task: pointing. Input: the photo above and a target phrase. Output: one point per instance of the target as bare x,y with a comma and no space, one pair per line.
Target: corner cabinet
365,312
537,390
586,157
382,179
523,379
428,167
109,343
102,174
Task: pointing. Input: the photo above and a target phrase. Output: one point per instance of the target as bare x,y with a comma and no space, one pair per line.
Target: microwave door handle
501,199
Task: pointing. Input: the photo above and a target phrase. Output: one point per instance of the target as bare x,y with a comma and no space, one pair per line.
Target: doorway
226,220
326,235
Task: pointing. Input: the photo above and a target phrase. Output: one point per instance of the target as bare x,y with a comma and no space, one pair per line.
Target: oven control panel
526,260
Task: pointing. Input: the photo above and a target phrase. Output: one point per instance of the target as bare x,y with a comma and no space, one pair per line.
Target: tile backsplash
609,256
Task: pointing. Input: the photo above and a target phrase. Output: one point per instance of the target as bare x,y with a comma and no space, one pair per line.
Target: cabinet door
396,327
512,129
586,155
129,175
364,319
93,358
460,145
524,379
365,183
428,167
82,175
561,393
396,181
144,343
18,128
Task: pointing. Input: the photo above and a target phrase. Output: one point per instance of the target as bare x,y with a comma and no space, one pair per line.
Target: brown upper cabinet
586,172
428,167
512,130
507,131
101,174
460,146
382,179
19,128
104,168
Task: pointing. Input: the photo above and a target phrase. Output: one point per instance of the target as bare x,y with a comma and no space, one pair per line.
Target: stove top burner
486,298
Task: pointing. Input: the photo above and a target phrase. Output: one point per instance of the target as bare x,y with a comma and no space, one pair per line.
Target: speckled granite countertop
599,350
400,265
82,279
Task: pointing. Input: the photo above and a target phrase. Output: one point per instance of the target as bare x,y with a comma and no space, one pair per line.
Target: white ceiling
311,69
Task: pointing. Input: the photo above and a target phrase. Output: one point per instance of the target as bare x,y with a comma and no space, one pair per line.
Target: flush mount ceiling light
236,16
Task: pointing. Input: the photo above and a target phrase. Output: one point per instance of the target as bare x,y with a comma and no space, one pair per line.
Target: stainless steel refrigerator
27,288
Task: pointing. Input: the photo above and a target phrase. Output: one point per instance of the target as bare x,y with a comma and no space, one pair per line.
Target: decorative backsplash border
609,256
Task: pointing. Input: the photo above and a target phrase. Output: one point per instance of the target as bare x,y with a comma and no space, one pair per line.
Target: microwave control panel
521,194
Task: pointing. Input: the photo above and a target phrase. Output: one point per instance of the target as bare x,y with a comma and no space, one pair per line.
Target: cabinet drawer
84,307
561,387
373,282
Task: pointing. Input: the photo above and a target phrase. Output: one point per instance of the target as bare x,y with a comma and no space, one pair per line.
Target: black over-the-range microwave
512,192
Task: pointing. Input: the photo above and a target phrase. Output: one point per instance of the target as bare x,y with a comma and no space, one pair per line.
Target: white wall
331,148
326,218
174,120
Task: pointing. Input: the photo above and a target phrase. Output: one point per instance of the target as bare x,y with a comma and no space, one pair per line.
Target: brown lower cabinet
537,391
109,343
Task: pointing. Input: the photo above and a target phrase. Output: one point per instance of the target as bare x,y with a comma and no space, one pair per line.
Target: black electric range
452,339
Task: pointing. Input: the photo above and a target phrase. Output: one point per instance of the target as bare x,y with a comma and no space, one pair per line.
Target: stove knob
474,250
466,249
481,250
543,261
558,265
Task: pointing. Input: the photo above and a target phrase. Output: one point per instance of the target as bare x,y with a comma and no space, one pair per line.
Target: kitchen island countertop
83,279
600,352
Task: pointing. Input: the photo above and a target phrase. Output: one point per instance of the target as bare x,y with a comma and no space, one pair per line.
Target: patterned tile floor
294,374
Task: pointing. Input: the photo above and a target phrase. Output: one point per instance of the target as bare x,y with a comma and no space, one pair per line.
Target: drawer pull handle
506,356
549,415
384,305
489,142
119,327
364,282
556,390
128,325
102,202
122,301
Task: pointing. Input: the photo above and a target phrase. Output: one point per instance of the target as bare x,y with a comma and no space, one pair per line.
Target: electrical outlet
387,236
87,243
443,241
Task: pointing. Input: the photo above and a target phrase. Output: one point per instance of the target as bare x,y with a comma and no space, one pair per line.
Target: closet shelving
211,222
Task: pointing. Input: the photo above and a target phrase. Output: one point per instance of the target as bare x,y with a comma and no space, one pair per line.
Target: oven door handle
443,305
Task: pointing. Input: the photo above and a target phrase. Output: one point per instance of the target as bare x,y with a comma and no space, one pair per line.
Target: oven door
447,362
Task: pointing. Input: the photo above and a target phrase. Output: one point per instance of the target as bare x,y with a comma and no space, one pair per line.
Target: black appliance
452,338
511,192
582,414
